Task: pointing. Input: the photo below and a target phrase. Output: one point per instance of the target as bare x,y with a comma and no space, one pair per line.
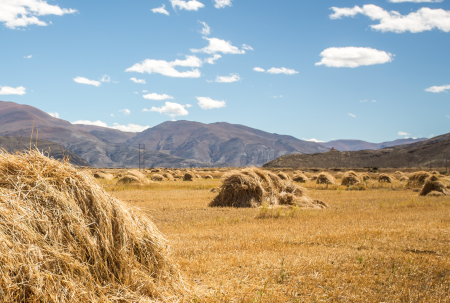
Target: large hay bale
350,178
64,239
168,176
283,176
325,178
189,177
300,177
252,187
433,186
385,178
419,177
157,177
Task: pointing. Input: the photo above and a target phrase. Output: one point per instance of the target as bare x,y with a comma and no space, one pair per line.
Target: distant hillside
434,151
53,150
355,145
220,143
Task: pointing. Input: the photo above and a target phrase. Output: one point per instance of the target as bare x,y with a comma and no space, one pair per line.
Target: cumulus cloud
313,140
228,79
165,68
222,3
276,70
141,81
125,111
208,103
438,89
7,90
106,79
170,109
213,59
352,115
403,134
15,13
247,47
87,122
217,45
353,57
134,128
54,115
206,30
155,96
161,10
192,5
28,57
425,19
83,80
259,69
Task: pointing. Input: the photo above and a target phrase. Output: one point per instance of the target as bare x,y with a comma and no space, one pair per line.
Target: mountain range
170,144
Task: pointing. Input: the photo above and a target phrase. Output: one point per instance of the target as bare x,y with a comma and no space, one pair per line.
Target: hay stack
435,173
133,177
404,178
325,178
435,194
350,178
168,176
419,177
300,177
158,178
208,177
252,187
398,174
64,239
198,176
283,176
102,175
189,177
431,186
364,177
385,178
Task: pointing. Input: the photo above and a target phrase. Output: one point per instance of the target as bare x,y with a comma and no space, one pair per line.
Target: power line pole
144,158
139,157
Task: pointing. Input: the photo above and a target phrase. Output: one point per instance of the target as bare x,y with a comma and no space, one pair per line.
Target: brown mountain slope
53,150
216,143
433,152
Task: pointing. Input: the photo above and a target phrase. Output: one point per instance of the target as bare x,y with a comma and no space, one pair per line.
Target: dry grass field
382,244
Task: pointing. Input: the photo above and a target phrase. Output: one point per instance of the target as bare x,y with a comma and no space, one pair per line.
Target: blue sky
325,63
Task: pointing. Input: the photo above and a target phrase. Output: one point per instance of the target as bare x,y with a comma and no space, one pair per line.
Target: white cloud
425,19
28,57
170,109
277,97
282,70
217,45
403,134
112,115
155,96
168,68
438,89
222,3
106,79
228,79
145,91
161,10
259,69
213,59
188,105
7,90
125,111
313,140
54,115
374,101
208,103
141,81
247,47
192,5
136,93
352,115
353,57
83,80
125,128
363,101
206,30
21,13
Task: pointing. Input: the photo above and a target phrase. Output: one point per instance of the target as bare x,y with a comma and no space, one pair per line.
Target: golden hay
350,178
433,186
208,177
300,177
101,175
419,177
189,177
435,194
157,177
197,176
283,176
435,173
133,177
364,177
64,239
404,178
325,178
168,176
253,187
385,178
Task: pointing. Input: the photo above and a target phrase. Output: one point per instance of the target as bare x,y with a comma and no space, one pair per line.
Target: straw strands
325,178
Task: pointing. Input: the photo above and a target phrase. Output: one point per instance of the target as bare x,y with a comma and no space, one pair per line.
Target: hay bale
168,176
350,178
313,177
104,176
283,176
64,239
404,178
197,176
189,177
208,177
364,177
253,187
133,177
158,178
385,178
436,173
433,186
155,170
419,177
215,190
435,194
398,174
325,178
300,177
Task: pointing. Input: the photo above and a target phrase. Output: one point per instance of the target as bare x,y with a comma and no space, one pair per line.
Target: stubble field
382,244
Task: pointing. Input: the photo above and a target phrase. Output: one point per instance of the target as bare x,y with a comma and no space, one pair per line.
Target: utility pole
139,157
144,158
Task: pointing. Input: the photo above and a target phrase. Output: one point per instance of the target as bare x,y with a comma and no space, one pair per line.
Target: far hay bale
64,239
433,186
155,170
364,177
435,194
398,174
325,178
101,175
404,178
419,177
189,177
198,176
168,176
436,173
300,177
384,178
313,177
133,177
283,176
350,178
157,177
208,177
252,187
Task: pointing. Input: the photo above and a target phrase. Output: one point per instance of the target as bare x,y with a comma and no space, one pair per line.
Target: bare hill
432,152
220,143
